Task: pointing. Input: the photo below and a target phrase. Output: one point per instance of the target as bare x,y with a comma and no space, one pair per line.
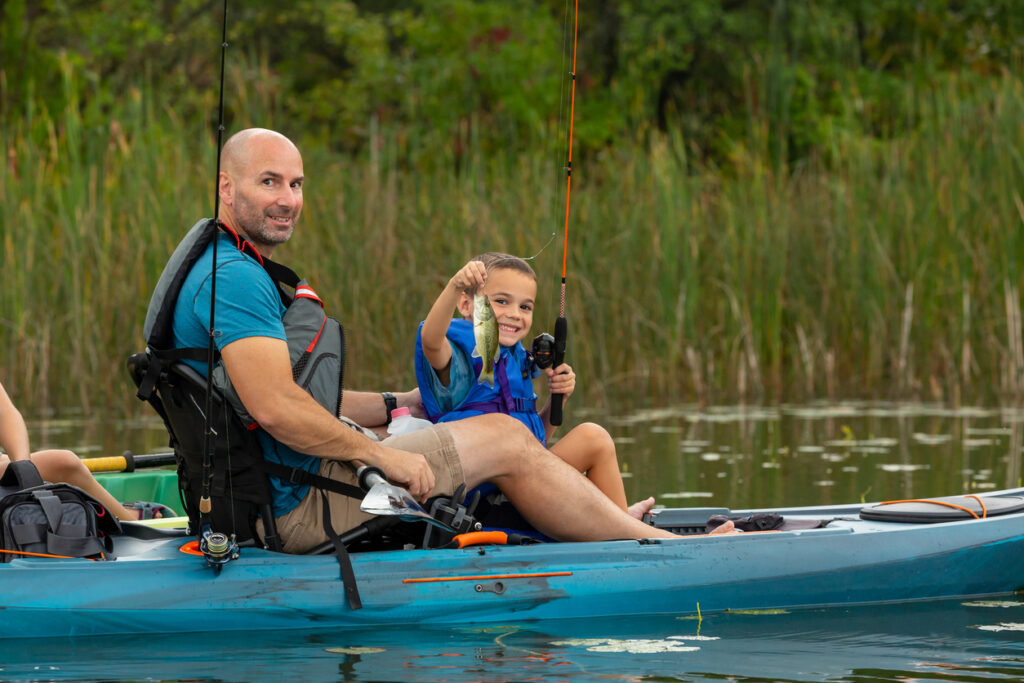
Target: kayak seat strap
300,476
348,576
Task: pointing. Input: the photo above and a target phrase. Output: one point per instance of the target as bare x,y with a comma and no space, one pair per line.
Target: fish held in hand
485,331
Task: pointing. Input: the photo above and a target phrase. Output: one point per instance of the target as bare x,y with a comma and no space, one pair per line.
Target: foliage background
772,200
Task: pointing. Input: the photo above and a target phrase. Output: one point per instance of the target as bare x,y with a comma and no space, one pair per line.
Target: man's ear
225,187
465,305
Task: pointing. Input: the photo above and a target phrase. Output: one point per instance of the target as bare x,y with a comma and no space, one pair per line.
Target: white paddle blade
385,499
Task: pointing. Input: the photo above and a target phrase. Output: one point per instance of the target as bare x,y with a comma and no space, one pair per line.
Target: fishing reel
218,549
542,353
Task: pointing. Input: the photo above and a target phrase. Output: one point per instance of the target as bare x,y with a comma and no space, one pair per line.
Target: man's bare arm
261,373
367,408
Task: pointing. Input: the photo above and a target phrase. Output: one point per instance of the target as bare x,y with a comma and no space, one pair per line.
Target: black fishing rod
561,324
217,548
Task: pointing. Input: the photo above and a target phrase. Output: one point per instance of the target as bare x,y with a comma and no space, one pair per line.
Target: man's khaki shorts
301,529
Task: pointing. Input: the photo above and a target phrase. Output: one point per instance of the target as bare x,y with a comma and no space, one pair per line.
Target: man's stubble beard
252,222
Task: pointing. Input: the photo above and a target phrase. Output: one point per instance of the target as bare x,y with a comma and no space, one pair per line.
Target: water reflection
940,640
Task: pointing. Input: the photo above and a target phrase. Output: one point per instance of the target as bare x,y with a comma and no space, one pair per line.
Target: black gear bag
37,518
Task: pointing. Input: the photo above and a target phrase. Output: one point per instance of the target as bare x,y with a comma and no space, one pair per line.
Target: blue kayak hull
153,587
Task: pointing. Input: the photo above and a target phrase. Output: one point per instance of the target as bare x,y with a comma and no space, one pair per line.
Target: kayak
862,556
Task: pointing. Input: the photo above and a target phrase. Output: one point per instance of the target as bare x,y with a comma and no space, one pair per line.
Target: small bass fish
485,331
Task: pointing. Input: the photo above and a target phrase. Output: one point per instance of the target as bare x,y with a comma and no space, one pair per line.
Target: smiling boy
448,372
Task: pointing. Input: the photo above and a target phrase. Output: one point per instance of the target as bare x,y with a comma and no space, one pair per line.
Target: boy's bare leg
589,449
550,494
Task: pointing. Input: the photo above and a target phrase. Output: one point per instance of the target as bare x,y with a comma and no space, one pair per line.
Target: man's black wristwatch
390,403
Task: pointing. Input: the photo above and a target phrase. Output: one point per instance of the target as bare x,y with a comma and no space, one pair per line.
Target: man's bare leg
550,494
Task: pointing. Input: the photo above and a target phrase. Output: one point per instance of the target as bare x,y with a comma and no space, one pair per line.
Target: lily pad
758,611
932,439
901,467
694,638
356,650
629,645
1000,627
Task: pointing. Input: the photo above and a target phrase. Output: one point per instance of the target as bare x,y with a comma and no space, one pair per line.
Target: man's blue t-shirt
248,305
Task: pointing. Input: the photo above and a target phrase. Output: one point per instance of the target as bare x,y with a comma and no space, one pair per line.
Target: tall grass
876,268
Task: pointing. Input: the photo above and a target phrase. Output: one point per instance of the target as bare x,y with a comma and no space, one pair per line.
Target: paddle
128,462
384,498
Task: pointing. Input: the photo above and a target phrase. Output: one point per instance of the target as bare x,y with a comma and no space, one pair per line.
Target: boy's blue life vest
511,394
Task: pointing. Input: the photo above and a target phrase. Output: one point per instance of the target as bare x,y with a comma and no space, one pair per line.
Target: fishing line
561,325
546,245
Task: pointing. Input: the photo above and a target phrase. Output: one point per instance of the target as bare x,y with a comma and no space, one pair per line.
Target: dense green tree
493,72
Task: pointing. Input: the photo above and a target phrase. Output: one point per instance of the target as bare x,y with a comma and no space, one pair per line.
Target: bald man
260,188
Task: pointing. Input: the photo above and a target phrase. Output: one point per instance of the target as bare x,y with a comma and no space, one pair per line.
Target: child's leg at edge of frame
61,465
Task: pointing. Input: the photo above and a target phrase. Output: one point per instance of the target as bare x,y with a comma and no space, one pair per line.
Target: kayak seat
240,489
945,509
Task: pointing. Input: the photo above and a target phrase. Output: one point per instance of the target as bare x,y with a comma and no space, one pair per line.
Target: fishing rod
561,324
217,547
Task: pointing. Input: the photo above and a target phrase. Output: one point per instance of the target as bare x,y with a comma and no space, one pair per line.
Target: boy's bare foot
637,510
727,527
147,510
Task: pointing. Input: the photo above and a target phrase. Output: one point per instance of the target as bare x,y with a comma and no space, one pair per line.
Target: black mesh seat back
239,488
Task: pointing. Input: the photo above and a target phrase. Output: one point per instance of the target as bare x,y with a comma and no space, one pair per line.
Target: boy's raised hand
561,380
436,348
473,274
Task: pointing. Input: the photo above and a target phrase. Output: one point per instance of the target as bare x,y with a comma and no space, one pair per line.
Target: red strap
243,245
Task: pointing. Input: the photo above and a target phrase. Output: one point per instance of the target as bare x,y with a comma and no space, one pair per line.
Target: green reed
876,267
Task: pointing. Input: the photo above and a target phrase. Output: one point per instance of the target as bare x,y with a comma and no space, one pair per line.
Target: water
727,456
937,640
816,454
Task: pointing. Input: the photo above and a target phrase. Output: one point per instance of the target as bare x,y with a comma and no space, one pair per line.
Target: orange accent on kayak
191,548
59,557
481,537
486,577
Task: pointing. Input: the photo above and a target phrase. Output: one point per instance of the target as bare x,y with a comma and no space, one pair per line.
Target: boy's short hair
495,260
